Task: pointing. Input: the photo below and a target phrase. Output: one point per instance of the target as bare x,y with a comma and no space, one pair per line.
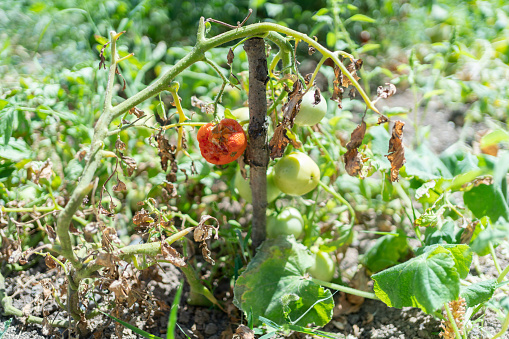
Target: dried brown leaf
120,145
243,332
171,254
317,97
82,154
352,158
102,63
120,187
384,93
52,235
50,262
292,106
203,232
206,253
230,57
106,259
202,105
396,150
130,162
382,120
137,112
311,50
142,218
278,142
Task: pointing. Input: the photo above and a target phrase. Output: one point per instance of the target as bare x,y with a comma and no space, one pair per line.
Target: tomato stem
346,289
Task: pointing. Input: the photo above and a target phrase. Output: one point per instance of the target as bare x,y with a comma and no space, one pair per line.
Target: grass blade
133,328
172,319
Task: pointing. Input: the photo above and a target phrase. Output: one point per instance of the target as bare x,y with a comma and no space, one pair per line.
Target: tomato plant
323,267
285,222
243,187
311,112
296,174
223,142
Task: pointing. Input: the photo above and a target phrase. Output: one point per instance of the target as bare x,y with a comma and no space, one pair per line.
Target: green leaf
462,256
6,123
367,47
386,252
493,234
479,292
361,17
278,270
132,327
424,164
172,319
445,234
426,281
16,150
487,200
6,327
494,138
228,114
427,219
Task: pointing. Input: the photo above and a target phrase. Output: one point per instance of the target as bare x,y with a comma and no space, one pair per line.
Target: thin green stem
451,320
319,144
340,199
494,256
503,274
315,73
349,290
505,325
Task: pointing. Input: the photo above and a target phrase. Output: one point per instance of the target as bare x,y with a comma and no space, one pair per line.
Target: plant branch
349,290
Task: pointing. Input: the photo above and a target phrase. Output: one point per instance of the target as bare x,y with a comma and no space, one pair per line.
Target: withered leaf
206,253
142,218
396,151
102,63
82,154
123,79
166,152
120,187
243,332
317,97
230,57
74,230
311,50
106,259
352,67
130,162
52,235
351,93
353,159
384,93
121,289
203,232
120,145
104,211
171,254
202,105
382,120
137,112
50,262
278,142
291,107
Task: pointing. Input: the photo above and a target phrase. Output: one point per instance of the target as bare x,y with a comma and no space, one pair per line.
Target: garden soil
370,319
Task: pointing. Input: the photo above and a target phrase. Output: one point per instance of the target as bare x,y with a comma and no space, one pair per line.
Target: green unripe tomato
310,114
288,221
243,186
323,267
241,113
296,174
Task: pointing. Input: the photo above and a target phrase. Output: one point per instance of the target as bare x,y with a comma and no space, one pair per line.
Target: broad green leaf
426,281
6,123
16,150
487,200
444,235
278,270
423,164
361,17
479,292
386,252
461,253
493,234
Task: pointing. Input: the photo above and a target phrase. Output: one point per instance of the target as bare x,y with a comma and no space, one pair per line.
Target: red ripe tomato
222,143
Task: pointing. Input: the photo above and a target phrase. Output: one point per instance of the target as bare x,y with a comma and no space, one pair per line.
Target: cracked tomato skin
222,143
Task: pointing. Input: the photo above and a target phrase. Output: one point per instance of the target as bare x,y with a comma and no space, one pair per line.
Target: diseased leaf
137,112
396,151
229,57
384,93
278,142
426,281
353,159
171,254
277,270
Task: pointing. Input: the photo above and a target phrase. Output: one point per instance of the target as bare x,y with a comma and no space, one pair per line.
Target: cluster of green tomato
294,174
